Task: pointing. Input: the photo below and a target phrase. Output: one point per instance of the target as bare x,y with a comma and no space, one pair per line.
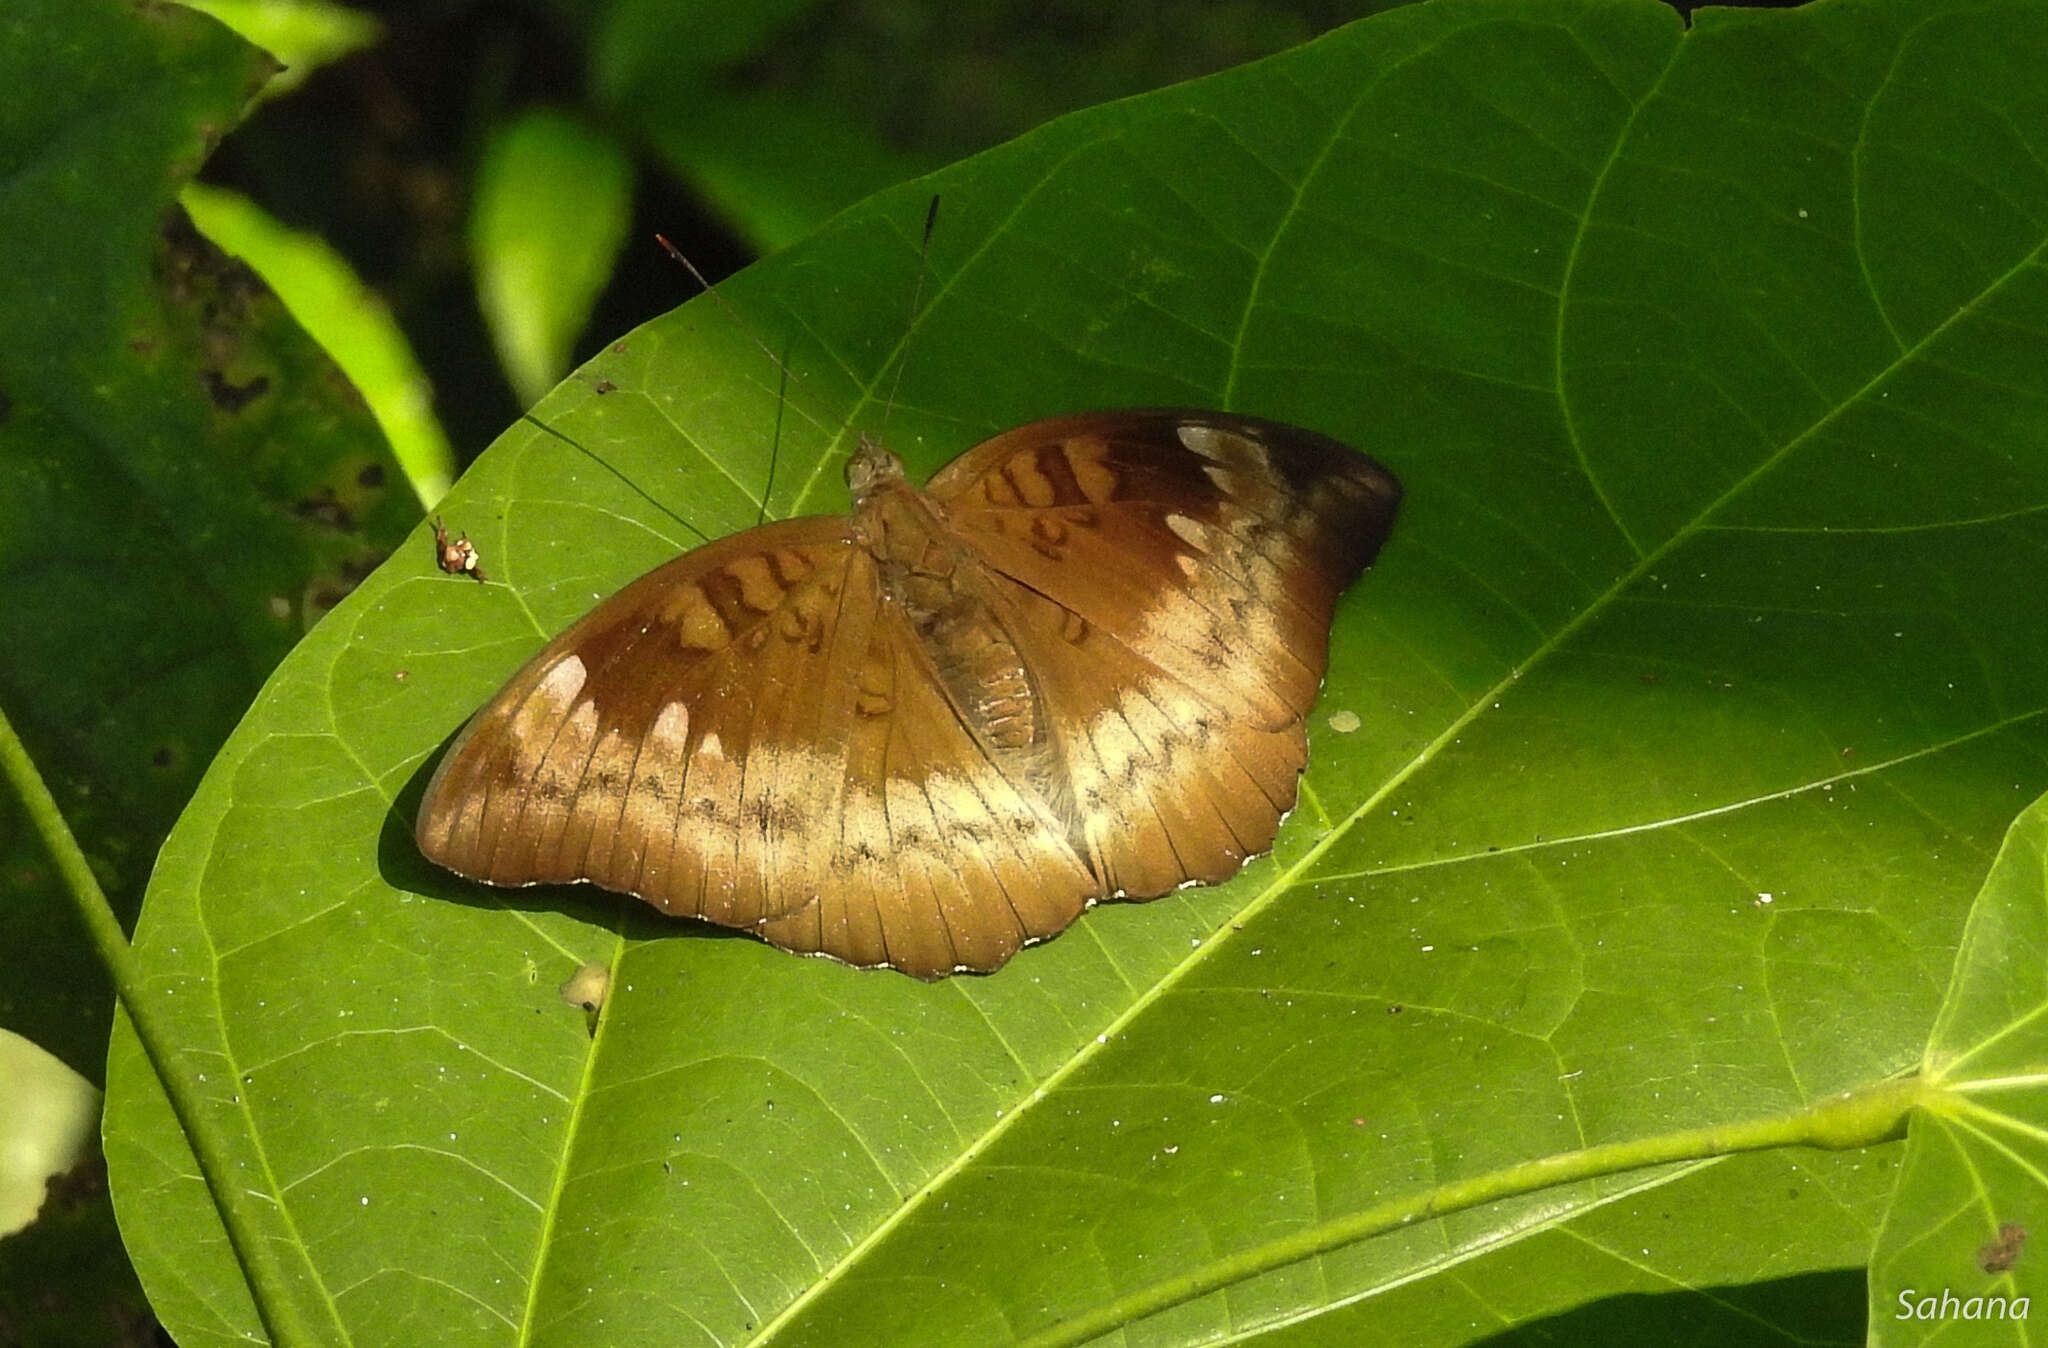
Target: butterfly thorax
932,580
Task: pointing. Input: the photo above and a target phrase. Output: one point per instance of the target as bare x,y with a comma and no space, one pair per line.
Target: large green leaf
1698,683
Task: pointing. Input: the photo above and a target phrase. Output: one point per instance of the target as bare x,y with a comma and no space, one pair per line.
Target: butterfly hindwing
943,862
1163,787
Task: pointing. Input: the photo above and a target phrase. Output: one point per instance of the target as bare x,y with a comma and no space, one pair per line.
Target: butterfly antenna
924,253
726,305
635,487
775,445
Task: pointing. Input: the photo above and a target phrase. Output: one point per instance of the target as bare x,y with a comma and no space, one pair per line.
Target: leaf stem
277,1311
1858,1118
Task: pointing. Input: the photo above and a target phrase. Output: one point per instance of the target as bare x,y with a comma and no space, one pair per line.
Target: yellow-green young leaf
1963,1256
328,299
63,1279
302,34
553,198
47,1128
1693,693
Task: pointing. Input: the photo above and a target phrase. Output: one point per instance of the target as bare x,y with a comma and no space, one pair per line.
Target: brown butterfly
1074,667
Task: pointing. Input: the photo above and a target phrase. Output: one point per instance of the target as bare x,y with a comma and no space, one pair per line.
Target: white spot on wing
1188,531
1225,481
1203,440
671,729
1227,448
563,682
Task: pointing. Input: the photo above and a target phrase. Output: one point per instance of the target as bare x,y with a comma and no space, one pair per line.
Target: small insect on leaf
457,556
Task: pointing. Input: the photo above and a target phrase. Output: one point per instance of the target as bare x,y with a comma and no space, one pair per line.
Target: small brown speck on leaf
2002,1251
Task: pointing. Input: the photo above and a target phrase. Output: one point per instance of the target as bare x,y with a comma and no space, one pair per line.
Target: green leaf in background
782,114
186,483
1697,686
774,164
1973,1185
553,198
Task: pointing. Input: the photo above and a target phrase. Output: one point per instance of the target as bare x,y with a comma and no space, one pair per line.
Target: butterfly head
871,469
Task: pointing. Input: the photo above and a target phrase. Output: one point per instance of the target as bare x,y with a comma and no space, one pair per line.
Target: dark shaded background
375,152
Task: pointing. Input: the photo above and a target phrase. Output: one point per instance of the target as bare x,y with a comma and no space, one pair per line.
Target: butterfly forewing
1214,546
733,737
1077,667
618,753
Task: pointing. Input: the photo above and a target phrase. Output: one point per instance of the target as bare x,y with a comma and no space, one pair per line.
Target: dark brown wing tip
1355,494
1308,458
